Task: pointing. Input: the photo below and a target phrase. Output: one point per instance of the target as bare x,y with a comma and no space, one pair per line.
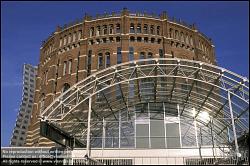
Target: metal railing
162,161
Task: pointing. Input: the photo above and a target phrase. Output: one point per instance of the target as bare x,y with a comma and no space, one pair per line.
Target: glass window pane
142,136
157,134
173,142
172,130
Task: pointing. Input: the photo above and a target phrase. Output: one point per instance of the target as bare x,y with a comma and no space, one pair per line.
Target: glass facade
149,125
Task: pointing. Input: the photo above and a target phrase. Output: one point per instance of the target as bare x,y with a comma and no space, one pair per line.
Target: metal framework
189,90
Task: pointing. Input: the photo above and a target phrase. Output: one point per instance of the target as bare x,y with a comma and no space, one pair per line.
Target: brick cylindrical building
77,50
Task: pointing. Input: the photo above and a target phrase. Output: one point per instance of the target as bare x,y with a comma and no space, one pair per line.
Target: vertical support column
200,143
165,125
135,129
103,133
228,134
195,130
149,127
88,131
178,109
212,135
119,129
233,125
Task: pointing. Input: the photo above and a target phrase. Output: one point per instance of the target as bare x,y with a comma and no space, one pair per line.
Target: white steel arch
223,94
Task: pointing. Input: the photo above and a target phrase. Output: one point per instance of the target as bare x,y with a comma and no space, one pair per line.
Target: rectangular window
64,67
70,66
74,37
119,55
65,40
100,60
118,28
107,60
79,35
111,29
89,63
69,39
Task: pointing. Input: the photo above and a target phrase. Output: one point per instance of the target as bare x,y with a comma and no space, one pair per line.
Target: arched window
191,41
170,33
74,37
145,39
159,41
187,39
100,60
145,29
176,35
69,38
104,40
158,30
42,102
91,33
107,59
132,28
111,39
65,40
64,67
118,39
79,35
105,29
46,76
118,28
66,86
150,55
182,37
151,29
142,55
89,62
111,29
138,39
98,30
138,29
152,40
132,38
70,66
119,55
91,42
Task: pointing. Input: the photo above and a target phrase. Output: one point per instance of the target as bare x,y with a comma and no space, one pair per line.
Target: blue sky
25,24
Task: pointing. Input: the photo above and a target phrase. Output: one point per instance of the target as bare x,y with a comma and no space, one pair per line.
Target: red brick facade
72,43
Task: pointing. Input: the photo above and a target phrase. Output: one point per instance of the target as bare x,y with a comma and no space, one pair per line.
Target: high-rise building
26,106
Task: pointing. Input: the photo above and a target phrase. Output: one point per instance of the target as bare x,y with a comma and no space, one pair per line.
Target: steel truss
194,86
